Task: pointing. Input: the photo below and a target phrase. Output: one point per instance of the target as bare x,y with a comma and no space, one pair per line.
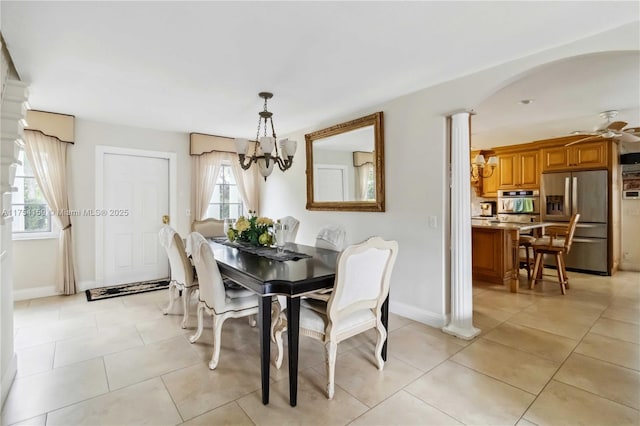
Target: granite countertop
483,223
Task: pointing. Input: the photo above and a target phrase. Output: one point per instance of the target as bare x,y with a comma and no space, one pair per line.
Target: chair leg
185,302
528,267
332,349
382,337
536,268
200,312
564,271
276,308
280,346
172,290
217,332
560,275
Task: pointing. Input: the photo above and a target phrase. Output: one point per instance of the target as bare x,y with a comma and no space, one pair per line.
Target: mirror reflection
345,166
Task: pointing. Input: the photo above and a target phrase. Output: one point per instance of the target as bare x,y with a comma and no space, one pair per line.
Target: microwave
631,194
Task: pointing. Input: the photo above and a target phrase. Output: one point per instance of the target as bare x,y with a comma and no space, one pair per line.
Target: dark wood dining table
293,279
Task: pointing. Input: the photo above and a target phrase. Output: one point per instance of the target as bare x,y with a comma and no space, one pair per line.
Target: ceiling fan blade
616,125
590,138
633,130
627,137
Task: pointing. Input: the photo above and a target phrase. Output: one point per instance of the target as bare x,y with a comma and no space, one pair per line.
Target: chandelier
264,146
480,163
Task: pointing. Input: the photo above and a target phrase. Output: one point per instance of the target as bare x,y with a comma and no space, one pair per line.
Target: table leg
264,321
515,245
293,333
385,322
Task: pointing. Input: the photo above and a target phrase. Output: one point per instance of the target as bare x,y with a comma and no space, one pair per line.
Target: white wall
416,171
34,263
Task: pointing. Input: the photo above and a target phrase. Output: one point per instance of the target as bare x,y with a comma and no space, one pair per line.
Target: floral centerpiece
255,230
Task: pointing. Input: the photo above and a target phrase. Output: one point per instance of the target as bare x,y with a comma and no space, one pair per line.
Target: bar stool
557,243
526,242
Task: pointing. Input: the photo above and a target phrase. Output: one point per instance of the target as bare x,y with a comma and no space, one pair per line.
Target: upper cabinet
589,155
518,170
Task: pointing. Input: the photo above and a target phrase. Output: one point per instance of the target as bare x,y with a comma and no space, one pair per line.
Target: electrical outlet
433,222
188,212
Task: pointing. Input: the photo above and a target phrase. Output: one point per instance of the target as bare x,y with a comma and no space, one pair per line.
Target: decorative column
461,323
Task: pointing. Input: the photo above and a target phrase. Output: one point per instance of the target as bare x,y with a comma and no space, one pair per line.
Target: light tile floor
542,358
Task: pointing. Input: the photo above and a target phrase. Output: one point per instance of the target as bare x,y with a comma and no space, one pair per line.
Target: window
31,214
226,201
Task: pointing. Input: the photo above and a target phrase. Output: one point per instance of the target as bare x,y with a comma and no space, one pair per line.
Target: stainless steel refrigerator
563,194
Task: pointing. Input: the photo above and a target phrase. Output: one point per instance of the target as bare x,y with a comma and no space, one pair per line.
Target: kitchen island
495,250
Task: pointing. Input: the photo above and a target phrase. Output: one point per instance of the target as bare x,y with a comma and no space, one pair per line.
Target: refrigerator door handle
587,240
565,207
574,196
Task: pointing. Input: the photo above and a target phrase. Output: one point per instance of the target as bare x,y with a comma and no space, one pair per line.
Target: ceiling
198,66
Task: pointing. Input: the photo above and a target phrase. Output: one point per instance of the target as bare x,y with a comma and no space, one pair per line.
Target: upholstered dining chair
556,242
292,227
215,298
183,280
208,227
361,286
331,237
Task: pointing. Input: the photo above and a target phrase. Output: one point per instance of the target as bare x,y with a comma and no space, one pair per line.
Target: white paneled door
135,197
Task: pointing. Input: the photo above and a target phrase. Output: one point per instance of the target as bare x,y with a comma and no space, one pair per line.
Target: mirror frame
374,120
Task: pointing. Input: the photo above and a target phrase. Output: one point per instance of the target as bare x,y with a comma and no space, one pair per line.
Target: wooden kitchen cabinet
588,155
518,170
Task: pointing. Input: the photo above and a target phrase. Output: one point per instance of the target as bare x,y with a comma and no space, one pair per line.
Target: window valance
59,126
200,143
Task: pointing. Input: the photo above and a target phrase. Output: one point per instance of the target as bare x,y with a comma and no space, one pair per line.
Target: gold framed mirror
345,166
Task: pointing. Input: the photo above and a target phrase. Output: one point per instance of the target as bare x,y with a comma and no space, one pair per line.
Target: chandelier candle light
263,148
480,163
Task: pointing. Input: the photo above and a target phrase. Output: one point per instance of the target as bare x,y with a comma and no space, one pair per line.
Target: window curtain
247,181
362,178
206,168
48,158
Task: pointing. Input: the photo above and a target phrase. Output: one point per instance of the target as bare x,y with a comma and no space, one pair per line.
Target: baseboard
627,266
35,293
48,291
8,377
416,314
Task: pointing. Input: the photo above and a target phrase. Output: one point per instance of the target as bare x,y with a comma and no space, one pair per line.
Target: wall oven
521,206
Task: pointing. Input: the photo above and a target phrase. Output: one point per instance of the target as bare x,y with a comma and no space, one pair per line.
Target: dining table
314,269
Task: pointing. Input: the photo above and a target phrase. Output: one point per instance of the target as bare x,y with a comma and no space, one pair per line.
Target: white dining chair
209,227
292,228
214,298
331,237
362,282
183,280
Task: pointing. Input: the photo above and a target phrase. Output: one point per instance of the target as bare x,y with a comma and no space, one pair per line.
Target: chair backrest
211,286
571,230
363,275
292,224
181,269
209,227
331,237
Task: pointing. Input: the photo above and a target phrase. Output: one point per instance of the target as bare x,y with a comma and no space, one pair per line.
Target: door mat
108,292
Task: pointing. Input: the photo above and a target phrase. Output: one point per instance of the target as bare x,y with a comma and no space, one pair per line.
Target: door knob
165,219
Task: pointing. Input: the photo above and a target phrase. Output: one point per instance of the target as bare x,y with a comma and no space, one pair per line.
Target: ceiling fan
610,130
